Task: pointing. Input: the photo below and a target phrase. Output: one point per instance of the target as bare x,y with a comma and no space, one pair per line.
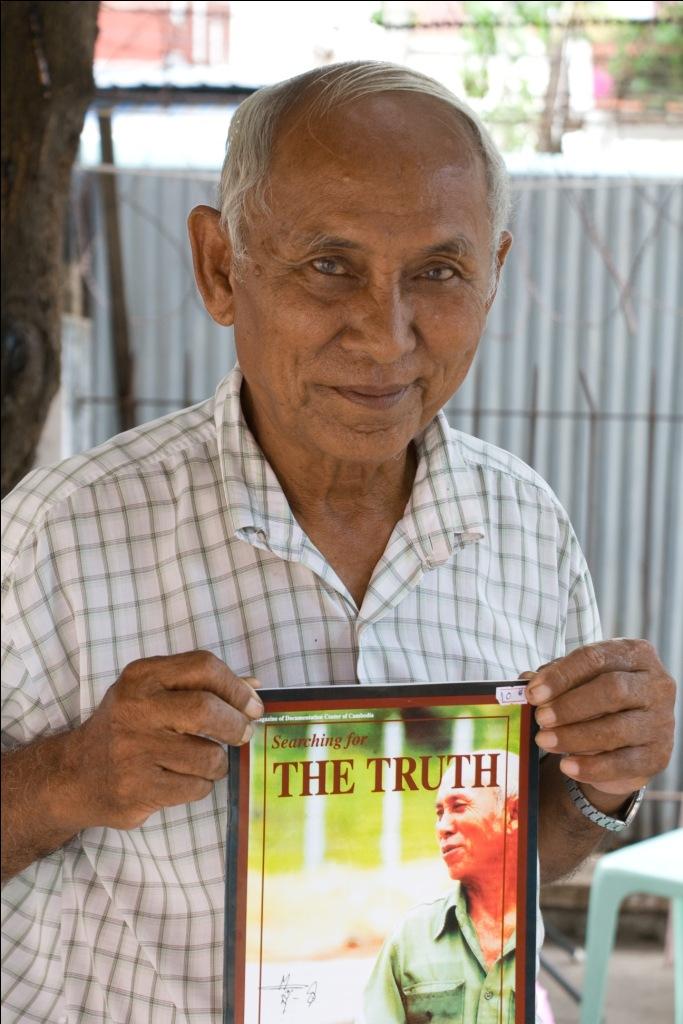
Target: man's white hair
508,774
253,133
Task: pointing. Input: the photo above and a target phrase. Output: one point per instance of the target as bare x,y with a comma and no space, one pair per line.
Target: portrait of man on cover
450,955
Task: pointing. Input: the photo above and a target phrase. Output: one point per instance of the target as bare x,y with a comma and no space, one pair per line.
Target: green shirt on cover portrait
432,969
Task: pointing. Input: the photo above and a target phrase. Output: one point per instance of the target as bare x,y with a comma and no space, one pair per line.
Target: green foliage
511,31
648,59
379,18
645,60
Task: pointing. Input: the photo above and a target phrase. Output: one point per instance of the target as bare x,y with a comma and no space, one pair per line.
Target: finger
617,771
173,788
586,663
611,692
164,789
610,732
192,755
194,670
201,713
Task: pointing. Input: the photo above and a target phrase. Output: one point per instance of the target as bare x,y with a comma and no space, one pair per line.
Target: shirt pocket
435,1003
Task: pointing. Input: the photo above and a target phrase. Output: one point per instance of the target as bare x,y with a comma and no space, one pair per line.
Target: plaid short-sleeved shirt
177,536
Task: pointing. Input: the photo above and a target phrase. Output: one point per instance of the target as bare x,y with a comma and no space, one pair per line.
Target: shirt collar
455,906
256,506
443,513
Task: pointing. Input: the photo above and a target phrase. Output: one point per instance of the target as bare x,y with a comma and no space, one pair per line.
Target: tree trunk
47,85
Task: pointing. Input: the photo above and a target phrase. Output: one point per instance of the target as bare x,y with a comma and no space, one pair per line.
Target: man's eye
442,273
328,265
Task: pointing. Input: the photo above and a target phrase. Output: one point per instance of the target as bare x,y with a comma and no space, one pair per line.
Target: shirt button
488,994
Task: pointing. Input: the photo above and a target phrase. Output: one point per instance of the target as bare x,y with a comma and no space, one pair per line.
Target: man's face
471,831
365,293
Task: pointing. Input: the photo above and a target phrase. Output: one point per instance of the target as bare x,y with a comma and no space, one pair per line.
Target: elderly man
315,522
453,959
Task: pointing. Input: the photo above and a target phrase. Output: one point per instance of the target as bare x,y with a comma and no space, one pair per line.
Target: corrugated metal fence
580,371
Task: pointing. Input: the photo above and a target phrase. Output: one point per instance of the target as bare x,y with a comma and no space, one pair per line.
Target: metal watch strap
580,800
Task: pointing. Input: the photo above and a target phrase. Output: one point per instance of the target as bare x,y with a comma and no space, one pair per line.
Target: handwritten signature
293,991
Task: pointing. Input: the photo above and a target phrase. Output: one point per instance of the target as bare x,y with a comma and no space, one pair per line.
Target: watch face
629,813
632,808
599,817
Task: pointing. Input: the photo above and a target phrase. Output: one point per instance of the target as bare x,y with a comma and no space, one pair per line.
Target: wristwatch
580,800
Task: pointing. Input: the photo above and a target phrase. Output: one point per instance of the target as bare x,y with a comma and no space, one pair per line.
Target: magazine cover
382,858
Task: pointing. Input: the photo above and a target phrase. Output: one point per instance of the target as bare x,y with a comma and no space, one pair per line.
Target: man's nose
443,826
381,323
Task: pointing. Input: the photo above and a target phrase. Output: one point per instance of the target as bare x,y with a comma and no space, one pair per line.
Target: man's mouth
374,397
448,849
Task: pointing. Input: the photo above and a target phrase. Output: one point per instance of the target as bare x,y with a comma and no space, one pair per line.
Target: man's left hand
607,710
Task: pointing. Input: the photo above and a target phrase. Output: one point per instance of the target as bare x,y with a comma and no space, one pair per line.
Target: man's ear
504,244
212,260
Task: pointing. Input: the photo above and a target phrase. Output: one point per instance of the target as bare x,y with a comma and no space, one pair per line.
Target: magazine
382,857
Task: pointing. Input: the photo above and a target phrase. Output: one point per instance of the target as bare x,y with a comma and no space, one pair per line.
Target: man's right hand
154,741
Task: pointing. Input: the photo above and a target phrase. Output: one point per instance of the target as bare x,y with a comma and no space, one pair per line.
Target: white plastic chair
651,866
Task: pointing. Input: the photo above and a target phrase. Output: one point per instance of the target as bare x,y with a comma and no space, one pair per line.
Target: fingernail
254,707
569,767
546,716
546,739
540,693
247,734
